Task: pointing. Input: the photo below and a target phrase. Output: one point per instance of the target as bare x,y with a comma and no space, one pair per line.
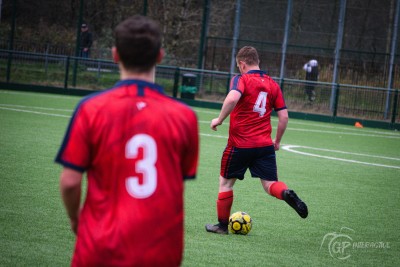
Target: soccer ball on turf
240,223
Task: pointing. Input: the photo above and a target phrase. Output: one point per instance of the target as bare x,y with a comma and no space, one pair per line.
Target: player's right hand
276,145
214,123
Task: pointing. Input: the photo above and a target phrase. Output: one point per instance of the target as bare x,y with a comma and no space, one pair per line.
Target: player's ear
115,55
241,66
160,55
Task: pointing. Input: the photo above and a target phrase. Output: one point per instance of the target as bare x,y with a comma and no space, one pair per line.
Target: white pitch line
33,107
214,135
204,111
349,128
343,133
324,125
331,132
291,148
348,153
285,147
36,112
40,94
7,107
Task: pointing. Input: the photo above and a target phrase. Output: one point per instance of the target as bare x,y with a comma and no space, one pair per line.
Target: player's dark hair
138,42
249,55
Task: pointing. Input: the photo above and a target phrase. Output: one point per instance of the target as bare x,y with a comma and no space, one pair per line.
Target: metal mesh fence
70,72
297,99
368,31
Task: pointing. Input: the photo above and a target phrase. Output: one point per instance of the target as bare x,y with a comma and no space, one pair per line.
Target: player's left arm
283,118
190,156
70,187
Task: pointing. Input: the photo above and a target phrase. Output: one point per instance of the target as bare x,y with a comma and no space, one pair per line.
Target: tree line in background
314,23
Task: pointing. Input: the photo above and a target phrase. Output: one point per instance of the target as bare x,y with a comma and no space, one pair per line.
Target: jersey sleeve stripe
277,109
237,90
190,177
70,165
66,137
58,158
235,82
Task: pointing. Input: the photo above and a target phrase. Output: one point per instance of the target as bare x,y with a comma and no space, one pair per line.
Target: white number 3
261,103
145,166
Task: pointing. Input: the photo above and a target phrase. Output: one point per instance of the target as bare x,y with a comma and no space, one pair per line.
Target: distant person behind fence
86,41
311,68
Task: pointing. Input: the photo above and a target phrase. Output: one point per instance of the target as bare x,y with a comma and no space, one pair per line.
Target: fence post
228,84
74,72
392,58
145,7
336,100
66,73
13,22
394,109
46,61
236,32
285,40
176,83
9,65
202,46
78,41
98,70
203,35
11,41
339,40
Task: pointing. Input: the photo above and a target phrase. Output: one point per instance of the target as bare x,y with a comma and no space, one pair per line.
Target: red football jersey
250,120
137,145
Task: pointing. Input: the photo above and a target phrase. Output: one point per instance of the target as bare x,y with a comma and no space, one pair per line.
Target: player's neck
250,68
144,76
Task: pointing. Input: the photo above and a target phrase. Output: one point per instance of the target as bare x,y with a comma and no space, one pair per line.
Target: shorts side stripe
228,161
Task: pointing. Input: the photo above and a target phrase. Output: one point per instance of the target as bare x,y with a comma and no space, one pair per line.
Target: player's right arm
70,188
74,156
229,104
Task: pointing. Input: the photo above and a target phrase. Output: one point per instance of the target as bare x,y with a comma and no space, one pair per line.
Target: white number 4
261,103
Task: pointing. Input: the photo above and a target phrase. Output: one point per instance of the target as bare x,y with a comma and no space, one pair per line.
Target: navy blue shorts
261,162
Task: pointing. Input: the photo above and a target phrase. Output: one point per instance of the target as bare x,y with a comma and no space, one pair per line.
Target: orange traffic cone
358,125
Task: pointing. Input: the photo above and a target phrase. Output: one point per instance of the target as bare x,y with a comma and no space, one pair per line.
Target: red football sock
224,204
276,189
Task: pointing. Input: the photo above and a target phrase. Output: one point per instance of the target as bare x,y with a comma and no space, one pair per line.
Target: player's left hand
74,225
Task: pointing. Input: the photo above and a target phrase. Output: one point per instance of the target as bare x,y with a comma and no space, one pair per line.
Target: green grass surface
354,205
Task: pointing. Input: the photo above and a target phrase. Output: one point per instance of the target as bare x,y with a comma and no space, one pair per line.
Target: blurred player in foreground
252,97
137,146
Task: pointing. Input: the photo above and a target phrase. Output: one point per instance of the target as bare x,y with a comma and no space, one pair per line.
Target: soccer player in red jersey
252,97
137,146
